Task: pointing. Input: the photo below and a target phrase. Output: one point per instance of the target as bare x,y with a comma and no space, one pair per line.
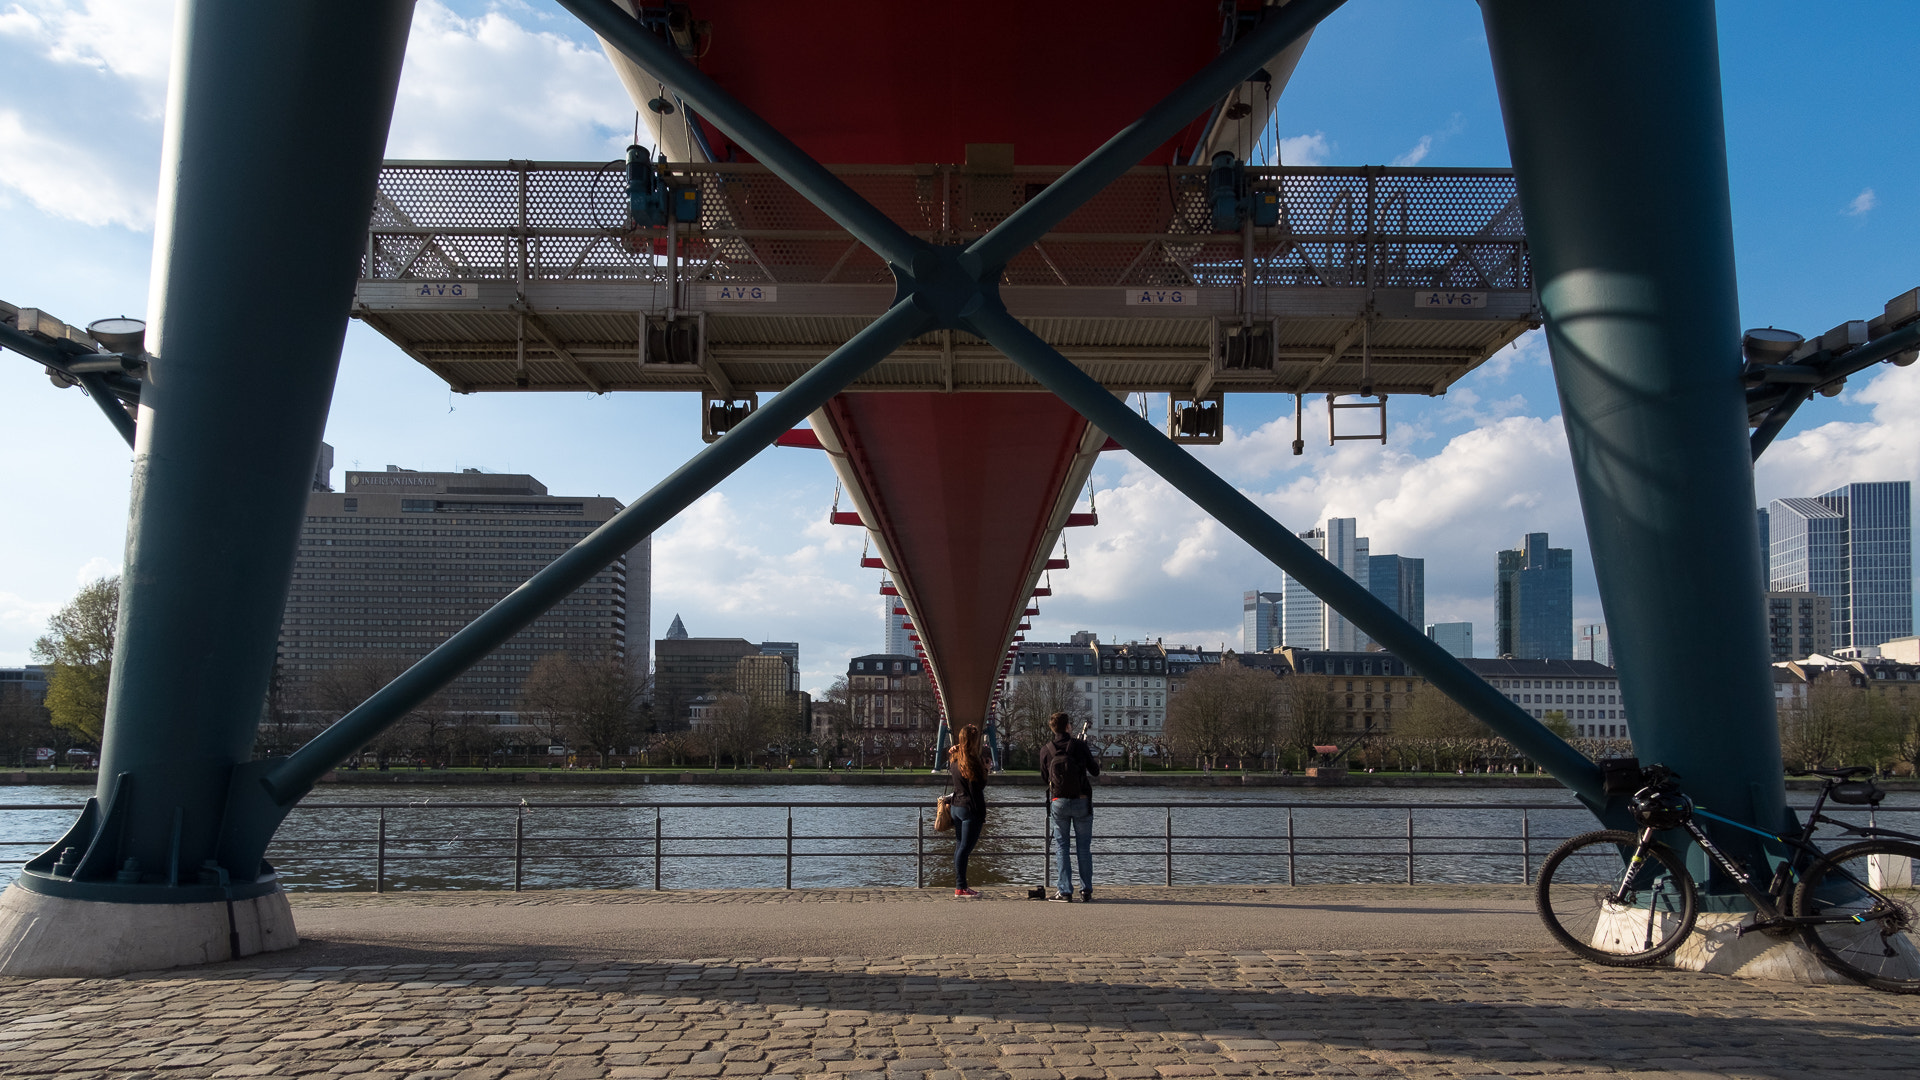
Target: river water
727,836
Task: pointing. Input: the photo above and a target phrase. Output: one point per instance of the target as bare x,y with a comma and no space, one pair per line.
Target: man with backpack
1067,763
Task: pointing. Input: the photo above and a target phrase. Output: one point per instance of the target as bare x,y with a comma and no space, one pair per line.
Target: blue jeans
966,833
1076,814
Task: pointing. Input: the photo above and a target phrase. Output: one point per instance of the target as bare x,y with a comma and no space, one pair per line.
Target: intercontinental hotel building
400,560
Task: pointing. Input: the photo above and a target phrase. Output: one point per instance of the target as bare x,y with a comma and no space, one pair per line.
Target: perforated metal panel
554,279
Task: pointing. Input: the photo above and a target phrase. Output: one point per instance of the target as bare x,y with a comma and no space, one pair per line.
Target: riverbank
891,778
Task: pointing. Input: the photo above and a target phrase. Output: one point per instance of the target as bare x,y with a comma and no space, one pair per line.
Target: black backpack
1062,768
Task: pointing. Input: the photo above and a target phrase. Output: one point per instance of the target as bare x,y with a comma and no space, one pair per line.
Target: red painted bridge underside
966,483
961,484
885,82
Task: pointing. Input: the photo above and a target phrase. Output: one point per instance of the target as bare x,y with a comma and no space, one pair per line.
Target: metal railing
529,222
385,843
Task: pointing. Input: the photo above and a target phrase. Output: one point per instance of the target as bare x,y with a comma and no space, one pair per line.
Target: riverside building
400,560
690,672
1132,682
891,713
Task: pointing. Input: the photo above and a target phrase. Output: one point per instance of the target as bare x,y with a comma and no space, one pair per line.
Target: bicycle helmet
1661,806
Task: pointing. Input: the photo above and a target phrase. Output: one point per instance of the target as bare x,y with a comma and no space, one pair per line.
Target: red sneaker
966,894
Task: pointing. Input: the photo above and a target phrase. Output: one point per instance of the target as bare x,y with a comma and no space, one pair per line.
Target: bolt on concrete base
50,936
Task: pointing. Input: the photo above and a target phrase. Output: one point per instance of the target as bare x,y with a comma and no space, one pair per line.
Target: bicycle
1625,899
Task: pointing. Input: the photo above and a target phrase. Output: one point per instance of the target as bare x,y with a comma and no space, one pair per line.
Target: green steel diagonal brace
1267,536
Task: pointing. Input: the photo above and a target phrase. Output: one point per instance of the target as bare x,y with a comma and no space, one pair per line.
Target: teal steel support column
276,120
1614,119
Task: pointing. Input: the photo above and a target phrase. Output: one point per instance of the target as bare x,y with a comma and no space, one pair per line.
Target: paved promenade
902,985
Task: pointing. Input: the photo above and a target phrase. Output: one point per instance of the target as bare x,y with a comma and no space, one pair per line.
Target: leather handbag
943,814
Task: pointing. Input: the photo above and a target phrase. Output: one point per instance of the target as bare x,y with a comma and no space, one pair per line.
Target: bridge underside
508,276
965,495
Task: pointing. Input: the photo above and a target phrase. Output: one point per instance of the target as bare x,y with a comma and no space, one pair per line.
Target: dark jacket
968,794
1068,779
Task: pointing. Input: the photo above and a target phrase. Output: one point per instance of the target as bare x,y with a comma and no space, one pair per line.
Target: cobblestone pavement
1028,1013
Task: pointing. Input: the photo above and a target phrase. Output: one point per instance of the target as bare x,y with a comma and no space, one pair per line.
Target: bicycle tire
1581,914
1882,948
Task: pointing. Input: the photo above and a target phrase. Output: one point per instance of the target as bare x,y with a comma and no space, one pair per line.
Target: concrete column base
50,936
1716,947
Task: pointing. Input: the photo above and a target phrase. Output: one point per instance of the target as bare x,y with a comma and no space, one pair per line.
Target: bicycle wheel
1868,890
1593,906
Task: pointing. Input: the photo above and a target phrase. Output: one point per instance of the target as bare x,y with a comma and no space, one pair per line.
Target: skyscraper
1533,604
1854,546
1592,644
1766,548
1309,623
1260,620
895,624
1455,637
1401,584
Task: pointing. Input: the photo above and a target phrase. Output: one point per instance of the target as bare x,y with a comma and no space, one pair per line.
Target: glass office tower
1534,601
1854,546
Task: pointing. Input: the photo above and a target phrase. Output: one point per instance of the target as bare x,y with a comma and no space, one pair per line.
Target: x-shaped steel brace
938,288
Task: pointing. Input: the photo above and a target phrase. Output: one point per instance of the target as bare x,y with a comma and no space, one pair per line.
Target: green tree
78,653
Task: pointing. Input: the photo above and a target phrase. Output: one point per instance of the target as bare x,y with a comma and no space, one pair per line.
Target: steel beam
777,152
277,116
1273,540
1636,279
110,406
1279,28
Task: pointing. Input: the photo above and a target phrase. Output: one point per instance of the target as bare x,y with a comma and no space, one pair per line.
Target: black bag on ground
1621,776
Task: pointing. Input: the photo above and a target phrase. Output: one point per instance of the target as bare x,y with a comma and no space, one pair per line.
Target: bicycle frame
1767,909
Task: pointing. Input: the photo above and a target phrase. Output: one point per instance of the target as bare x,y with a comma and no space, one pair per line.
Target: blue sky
1822,142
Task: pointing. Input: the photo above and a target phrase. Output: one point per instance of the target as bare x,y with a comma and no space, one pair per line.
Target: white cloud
1862,203
1527,350
1305,149
1156,562
129,39
1419,151
1416,155
23,619
1887,447
491,87
96,568
63,178
778,579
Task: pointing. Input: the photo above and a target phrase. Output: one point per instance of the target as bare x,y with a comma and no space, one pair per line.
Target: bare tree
339,689
1308,714
834,727
590,702
1225,709
1024,713
1814,733
1440,728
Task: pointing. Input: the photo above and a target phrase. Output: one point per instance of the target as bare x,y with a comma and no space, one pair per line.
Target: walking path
1145,984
